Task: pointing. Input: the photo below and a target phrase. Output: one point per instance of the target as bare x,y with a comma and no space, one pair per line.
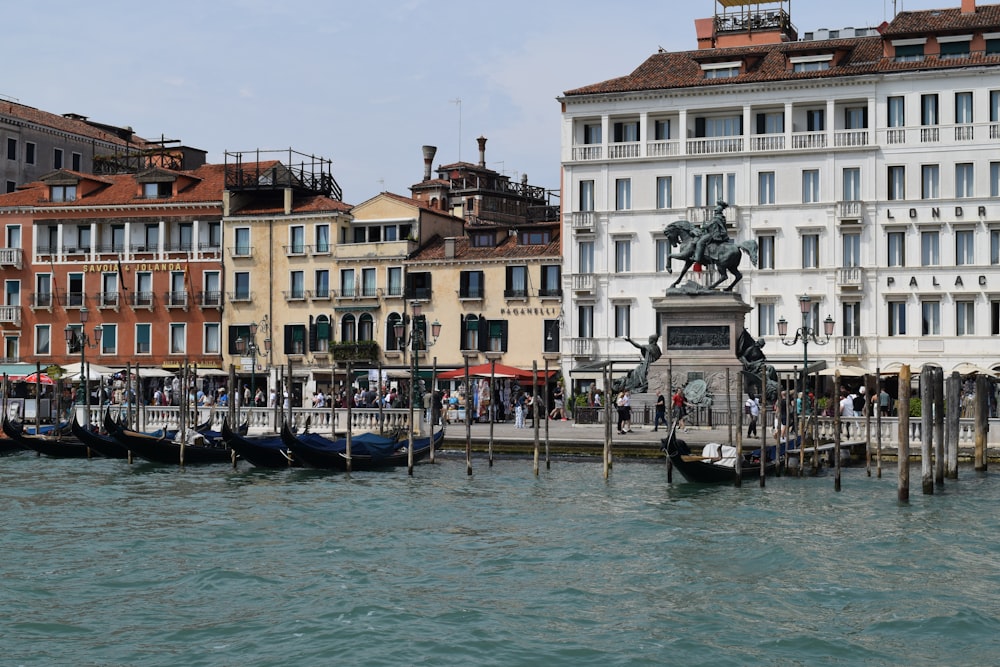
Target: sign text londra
110,267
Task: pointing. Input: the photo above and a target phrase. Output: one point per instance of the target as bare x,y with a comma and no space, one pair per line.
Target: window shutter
463,287
484,334
761,124
313,336
503,335
699,127
288,339
618,132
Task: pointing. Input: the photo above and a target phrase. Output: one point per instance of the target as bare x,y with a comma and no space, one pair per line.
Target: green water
110,564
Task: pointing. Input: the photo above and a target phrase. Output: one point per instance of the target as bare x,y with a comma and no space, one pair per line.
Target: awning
17,369
499,371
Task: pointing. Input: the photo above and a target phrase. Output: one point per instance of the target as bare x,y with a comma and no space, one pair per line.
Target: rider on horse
713,231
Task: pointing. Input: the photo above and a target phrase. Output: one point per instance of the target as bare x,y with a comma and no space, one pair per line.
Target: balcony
520,294
10,315
210,299
294,295
318,295
241,252
11,257
930,134
107,300
851,278
296,250
851,346
588,152
715,145
72,299
240,296
850,210
624,151
808,140
142,300
851,138
585,283
584,221
583,347
176,299
702,214
767,142
42,301
554,293
663,148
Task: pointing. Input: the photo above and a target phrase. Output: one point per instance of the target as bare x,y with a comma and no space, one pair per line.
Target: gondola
703,470
163,450
59,446
103,444
266,451
368,450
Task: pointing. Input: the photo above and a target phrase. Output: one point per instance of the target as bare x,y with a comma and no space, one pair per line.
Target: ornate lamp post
79,338
416,341
805,333
249,346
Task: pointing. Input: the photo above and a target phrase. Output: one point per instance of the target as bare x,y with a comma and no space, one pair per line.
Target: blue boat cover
366,444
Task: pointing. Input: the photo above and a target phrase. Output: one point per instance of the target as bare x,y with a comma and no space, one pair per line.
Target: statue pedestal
699,329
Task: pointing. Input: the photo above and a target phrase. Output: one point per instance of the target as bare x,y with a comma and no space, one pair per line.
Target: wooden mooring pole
982,406
903,436
836,442
534,410
926,430
937,393
738,442
762,433
954,414
878,423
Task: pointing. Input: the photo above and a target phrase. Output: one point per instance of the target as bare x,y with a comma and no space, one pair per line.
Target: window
896,245
765,251
160,190
241,290
896,183
771,123
213,338
394,280
622,320
109,339
815,120
586,253
109,289
551,281
322,284
369,288
897,318
592,133
663,250
185,236
661,130
852,250
810,251
13,236
550,343
296,240
929,117
765,187
143,289
930,318
322,238
297,285
965,250
623,256
471,286
721,70
765,319
43,290
959,48
855,118
83,238
930,248
716,187
517,282
896,119
347,282
909,52
664,192
718,126
585,321
11,186
965,318
241,247
995,246
963,110
586,195
626,132
811,65
11,149
623,194
178,338
348,329
77,162
29,153
850,319
964,181
366,329
852,184
470,332
74,296
995,179
62,193
152,236
143,338
43,339
57,158
929,180
810,186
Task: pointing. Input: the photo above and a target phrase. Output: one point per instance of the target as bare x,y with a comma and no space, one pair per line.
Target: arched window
470,333
323,334
348,329
391,342
366,327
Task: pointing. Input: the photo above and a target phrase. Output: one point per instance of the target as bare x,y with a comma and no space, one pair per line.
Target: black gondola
56,446
368,450
702,470
266,451
163,450
103,444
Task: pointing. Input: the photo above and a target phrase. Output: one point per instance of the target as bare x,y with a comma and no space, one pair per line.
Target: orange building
139,255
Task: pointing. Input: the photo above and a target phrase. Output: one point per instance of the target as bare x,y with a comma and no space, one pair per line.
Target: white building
866,168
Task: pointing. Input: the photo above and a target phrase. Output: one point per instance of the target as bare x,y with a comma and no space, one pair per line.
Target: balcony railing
107,299
588,152
767,142
851,277
176,299
10,315
241,251
142,299
210,299
663,148
584,282
851,138
319,294
715,145
850,210
808,140
240,297
294,295
11,257
72,299
584,221
42,300
583,347
521,293
621,151
930,134
554,293
851,346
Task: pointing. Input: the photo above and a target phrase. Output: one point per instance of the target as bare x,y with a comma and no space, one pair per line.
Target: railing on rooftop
264,170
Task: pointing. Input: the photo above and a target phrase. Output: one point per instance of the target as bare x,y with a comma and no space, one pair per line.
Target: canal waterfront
110,564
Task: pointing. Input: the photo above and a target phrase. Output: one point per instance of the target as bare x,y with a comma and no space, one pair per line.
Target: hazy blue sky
363,83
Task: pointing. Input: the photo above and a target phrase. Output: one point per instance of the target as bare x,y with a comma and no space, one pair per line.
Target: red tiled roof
70,125
418,203
507,249
313,204
769,62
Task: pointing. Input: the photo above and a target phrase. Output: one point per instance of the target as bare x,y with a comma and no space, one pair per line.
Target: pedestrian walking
680,409
661,411
752,410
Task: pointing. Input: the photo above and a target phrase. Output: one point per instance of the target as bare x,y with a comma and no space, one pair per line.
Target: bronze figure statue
751,354
709,245
637,379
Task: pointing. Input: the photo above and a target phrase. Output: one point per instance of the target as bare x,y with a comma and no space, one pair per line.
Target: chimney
449,248
482,151
429,152
968,6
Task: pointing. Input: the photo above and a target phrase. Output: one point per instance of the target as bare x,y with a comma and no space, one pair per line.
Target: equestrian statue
708,245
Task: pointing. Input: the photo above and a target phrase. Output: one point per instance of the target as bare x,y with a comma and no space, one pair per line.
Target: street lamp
79,338
805,333
417,341
249,346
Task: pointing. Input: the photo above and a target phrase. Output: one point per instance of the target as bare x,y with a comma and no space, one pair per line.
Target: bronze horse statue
724,256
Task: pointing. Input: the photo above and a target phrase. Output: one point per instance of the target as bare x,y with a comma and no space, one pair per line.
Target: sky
364,83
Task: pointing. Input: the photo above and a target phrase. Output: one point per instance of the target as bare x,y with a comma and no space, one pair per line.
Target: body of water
109,564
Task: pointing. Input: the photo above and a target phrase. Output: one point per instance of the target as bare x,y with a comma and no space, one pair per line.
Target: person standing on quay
680,409
519,411
752,409
661,411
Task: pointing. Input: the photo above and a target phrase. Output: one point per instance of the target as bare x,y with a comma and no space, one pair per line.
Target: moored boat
369,451
164,450
55,446
266,451
101,443
716,465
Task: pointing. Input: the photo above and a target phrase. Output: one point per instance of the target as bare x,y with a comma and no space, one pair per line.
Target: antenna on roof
458,101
